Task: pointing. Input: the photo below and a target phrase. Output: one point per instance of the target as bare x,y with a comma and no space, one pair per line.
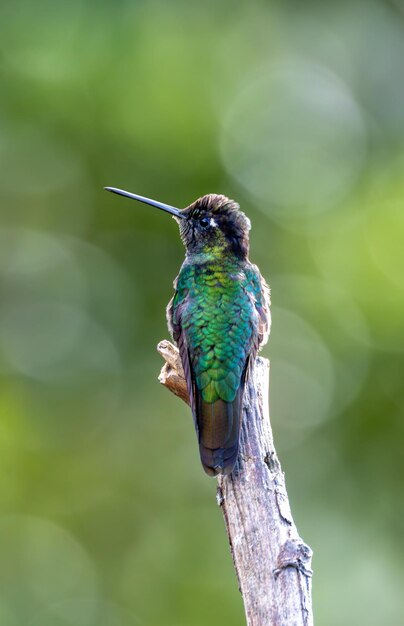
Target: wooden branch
272,563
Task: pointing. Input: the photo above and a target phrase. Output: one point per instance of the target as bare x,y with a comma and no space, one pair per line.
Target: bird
219,317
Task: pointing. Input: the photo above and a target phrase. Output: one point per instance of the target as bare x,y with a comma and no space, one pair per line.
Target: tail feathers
219,428
218,461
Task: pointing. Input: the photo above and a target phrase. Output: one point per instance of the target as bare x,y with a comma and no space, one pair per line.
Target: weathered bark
272,563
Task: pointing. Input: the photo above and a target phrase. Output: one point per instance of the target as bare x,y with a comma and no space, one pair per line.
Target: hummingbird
219,317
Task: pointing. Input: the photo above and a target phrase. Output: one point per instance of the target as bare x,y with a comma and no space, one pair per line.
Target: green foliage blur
297,111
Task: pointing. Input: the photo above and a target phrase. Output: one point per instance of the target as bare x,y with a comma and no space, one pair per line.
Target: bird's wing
261,296
174,313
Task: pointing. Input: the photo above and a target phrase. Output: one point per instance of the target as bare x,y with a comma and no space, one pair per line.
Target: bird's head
212,223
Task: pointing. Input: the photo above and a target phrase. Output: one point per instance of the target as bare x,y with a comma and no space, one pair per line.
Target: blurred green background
297,111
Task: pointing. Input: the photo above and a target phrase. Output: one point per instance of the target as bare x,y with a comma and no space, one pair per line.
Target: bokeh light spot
295,139
302,373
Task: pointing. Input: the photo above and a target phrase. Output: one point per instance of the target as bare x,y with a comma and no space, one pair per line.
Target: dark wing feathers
174,325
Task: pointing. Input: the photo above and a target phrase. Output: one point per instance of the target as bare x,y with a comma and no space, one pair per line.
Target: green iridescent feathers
217,320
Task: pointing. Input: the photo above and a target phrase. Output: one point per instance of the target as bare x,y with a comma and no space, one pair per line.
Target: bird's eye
204,222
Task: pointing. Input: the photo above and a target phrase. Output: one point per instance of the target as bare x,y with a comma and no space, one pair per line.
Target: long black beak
158,205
